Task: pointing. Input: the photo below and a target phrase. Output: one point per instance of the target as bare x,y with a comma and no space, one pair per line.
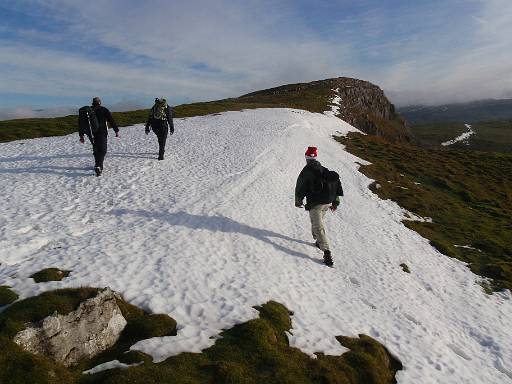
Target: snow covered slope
212,231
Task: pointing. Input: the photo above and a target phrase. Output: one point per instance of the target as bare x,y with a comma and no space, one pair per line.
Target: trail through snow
212,231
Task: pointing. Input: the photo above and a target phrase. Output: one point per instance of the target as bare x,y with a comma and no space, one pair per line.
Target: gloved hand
172,131
82,139
299,205
333,208
147,130
117,134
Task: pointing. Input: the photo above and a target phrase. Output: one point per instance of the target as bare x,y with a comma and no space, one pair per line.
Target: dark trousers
161,133
99,149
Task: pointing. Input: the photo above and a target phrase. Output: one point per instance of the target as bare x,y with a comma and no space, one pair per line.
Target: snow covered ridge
335,104
464,137
212,231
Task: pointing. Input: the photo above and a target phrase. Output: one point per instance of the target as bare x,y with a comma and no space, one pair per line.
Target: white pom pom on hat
311,153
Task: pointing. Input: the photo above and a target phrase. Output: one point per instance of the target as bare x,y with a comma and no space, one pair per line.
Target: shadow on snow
219,223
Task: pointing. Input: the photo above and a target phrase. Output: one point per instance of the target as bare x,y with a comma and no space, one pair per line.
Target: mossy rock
7,296
33,309
50,274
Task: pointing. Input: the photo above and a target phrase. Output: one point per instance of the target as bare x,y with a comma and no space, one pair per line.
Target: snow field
212,231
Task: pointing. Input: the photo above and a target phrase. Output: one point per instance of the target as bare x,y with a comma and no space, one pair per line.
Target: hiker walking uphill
322,190
160,119
92,122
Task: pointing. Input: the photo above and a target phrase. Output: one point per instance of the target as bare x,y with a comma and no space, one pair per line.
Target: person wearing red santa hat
322,190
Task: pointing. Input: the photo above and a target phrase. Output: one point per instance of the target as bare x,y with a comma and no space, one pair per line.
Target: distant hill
363,105
473,112
491,122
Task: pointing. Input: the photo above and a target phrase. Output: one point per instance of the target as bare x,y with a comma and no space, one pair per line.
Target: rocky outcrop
366,107
363,104
92,328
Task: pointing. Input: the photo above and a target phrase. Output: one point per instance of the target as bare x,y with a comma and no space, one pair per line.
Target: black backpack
328,186
88,123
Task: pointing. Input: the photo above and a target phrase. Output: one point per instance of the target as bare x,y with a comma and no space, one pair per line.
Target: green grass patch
7,296
253,352
468,194
49,274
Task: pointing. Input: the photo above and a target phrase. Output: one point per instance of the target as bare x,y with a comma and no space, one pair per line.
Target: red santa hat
311,153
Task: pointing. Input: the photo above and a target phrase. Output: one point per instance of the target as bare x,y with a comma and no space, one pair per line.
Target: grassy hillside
489,136
20,129
364,106
468,194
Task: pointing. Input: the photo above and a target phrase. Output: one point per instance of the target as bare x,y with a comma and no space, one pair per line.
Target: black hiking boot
317,245
328,258
161,157
98,171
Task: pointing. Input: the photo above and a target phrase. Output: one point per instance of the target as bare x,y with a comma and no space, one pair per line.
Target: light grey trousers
316,215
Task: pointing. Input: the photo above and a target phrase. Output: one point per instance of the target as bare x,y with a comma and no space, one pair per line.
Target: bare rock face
94,327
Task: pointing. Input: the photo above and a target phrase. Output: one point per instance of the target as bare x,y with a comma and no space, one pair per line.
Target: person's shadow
52,170
40,158
219,223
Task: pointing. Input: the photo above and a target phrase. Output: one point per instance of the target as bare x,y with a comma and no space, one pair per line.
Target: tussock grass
50,274
258,352
254,352
468,194
7,296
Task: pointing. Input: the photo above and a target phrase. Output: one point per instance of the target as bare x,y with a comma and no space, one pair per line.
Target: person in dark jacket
98,138
318,201
160,119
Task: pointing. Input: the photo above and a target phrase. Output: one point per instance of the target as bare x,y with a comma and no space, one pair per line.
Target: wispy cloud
426,51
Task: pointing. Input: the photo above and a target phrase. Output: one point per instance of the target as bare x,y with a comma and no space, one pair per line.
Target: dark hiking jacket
309,177
158,124
104,116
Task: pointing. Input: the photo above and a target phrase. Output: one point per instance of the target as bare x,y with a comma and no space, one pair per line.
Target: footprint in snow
354,281
368,303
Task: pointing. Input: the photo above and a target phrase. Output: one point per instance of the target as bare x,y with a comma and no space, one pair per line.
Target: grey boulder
92,328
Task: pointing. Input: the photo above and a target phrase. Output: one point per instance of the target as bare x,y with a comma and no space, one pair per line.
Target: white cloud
478,69
203,50
243,46
28,112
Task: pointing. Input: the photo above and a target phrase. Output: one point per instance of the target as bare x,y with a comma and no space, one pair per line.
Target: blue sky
57,54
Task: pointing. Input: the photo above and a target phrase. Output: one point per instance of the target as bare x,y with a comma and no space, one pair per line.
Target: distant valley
472,112
490,121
